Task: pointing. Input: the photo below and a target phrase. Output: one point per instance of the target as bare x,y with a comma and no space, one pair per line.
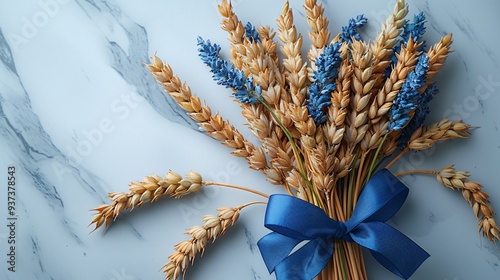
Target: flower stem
209,183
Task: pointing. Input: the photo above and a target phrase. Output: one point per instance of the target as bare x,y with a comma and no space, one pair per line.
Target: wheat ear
295,69
426,136
437,56
382,102
472,192
213,125
151,188
475,196
319,34
213,228
388,36
218,128
361,87
236,31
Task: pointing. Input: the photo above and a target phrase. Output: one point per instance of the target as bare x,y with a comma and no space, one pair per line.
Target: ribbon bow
294,220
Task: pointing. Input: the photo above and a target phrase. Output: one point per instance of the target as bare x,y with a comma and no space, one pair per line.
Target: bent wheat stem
417,171
221,184
402,153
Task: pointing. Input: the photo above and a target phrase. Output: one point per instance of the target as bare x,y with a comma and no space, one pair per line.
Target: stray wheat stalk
472,192
153,188
212,229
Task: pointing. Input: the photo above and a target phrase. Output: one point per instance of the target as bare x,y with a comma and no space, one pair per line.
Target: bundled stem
324,124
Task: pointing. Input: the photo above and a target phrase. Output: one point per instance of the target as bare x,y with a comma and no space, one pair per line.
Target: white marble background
80,116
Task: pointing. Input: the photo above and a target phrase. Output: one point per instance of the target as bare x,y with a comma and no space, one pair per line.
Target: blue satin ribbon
294,221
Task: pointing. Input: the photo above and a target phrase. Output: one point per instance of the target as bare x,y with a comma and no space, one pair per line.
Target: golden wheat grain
295,69
236,30
186,251
150,189
269,45
361,87
318,23
213,125
437,56
425,137
382,102
385,41
477,198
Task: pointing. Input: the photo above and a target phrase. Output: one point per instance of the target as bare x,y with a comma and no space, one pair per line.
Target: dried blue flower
409,97
224,73
324,82
351,31
251,33
420,114
416,30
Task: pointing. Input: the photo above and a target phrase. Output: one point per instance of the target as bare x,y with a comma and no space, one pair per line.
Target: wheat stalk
214,125
426,136
212,229
475,196
387,39
262,64
236,30
472,192
437,56
150,189
319,34
407,58
361,87
295,69
382,102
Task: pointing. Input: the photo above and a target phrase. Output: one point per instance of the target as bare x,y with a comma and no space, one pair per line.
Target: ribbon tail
275,247
307,262
391,248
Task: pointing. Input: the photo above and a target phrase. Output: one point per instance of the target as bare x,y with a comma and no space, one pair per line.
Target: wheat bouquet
330,125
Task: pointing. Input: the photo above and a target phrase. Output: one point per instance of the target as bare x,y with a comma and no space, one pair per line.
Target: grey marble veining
80,116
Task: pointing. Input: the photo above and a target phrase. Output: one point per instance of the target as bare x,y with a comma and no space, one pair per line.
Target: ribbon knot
295,221
342,232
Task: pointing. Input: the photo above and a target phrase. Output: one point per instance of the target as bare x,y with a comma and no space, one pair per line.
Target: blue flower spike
409,98
224,73
320,91
351,31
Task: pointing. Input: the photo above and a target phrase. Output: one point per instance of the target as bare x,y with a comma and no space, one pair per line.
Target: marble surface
81,116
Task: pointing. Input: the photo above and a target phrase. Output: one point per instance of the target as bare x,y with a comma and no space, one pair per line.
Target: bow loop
294,221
